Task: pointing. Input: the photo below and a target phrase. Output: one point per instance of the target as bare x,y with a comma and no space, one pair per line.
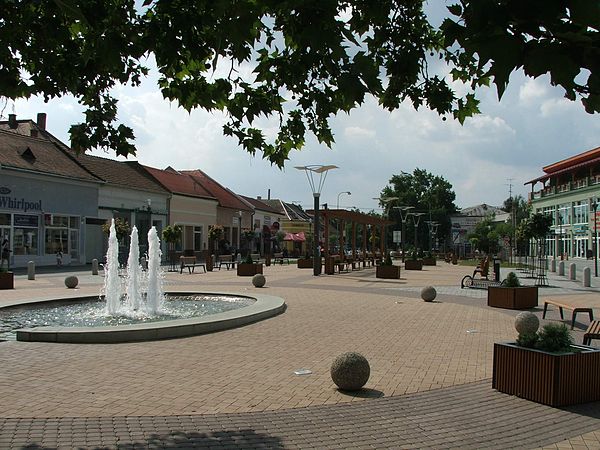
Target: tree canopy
298,61
426,193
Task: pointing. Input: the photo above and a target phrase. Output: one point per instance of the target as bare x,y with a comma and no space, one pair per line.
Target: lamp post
416,219
337,206
311,172
432,229
404,213
595,245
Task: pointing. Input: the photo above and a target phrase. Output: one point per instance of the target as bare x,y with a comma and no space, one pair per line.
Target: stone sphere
71,282
350,371
259,280
428,293
527,323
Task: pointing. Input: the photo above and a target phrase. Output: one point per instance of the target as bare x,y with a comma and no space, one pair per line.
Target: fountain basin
265,306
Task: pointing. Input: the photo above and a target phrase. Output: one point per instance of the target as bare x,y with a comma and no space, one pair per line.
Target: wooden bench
226,260
279,258
191,263
575,309
593,332
255,257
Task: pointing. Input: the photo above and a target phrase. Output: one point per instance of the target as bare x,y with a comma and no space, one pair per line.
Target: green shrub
388,260
527,340
512,280
554,337
248,259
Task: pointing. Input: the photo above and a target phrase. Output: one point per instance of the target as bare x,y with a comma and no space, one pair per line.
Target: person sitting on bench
483,268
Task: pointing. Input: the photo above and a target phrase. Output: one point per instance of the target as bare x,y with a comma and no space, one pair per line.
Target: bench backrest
277,255
255,256
187,259
225,258
485,268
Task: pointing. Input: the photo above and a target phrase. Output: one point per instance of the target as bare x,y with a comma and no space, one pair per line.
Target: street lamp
416,218
311,172
433,226
404,213
595,245
338,198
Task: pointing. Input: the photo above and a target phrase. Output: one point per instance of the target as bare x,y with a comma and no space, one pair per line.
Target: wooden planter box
388,272
412,264
523,297
542,377
249,270
429,261
305,263
7,280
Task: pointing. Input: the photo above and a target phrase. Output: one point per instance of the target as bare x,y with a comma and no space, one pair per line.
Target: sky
492,153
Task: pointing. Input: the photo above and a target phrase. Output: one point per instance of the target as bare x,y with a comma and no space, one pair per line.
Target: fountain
136,302
135,307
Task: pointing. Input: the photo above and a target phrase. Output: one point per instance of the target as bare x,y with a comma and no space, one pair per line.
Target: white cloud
533,90
358,132
557,106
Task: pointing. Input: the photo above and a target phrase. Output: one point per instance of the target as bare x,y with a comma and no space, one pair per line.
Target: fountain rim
264,307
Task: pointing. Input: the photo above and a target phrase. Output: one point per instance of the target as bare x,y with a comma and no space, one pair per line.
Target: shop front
43,219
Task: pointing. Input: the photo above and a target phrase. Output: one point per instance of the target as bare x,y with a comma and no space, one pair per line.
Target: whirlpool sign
20,204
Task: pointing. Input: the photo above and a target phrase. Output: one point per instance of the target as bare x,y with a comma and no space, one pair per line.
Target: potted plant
387,269
512,295
248,268
429,259
413,263
545,366
7,279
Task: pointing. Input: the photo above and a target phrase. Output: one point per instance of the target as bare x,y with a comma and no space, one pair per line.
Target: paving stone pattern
470,416
429,387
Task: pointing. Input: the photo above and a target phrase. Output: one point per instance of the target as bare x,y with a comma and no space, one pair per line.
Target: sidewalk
429,386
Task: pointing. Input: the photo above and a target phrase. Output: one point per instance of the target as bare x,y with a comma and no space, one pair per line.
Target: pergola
356,219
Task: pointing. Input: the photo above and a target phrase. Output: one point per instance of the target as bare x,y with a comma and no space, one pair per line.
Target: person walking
5,254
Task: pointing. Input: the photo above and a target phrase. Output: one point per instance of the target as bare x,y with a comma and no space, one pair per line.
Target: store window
198,238
25,239
580,213
57,234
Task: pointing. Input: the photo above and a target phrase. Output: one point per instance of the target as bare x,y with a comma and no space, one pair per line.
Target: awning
295,237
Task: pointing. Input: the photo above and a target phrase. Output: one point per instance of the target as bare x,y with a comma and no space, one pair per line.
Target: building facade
47,201
569,191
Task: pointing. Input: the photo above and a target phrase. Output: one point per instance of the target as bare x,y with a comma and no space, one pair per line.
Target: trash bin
497,269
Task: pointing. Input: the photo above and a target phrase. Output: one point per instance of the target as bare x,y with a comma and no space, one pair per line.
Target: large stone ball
428,293
527,323
350,371
71,282
259,280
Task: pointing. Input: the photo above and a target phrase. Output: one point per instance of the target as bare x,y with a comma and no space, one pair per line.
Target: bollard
572,271
31,270
587,277
561,268
94,266
553,265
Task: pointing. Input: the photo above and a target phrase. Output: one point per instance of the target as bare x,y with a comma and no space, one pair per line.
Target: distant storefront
42,216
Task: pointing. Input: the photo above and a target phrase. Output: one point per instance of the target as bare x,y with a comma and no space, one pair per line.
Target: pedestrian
5,255
59,256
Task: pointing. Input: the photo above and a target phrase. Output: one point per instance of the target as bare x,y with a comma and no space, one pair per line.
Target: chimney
12,121
269,194
41,121
258,197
